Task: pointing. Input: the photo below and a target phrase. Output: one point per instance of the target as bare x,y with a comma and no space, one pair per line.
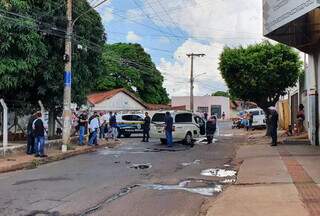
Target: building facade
212,105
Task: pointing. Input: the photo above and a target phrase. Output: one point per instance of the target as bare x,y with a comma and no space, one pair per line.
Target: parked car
259,118
129,124
187,126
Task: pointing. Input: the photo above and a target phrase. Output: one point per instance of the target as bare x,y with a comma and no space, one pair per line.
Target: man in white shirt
93,128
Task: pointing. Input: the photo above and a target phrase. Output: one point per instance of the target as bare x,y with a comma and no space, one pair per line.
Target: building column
313,99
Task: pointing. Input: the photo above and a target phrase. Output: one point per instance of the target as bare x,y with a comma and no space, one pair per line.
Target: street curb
40,161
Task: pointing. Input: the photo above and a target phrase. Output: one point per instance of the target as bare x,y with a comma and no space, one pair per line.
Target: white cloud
104,10
211,25
133,37
177,73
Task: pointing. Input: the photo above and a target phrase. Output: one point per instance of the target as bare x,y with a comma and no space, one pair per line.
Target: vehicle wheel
163,141
127,134
188,139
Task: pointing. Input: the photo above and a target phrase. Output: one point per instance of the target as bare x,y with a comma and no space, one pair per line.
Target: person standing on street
250,119
30,145
169,129
93,128
223,115
146,128
82,126
114,126
211,128
102,121
38,131
300,119
274,125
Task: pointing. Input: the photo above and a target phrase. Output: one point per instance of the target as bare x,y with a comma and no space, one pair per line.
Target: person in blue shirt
169,129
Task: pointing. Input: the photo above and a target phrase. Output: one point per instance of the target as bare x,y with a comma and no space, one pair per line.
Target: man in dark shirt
169,129
146,128
274,125
30,144
82,126
38,132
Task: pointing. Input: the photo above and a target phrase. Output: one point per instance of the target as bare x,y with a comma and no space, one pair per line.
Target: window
183,118
199,120
203,109
255,113
136,118
127,117
158,117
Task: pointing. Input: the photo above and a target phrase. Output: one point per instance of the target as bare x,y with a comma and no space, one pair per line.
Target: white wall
204,101
119,102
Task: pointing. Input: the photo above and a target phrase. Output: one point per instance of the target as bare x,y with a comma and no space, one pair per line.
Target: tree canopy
221,93
129,66
32,46
260,73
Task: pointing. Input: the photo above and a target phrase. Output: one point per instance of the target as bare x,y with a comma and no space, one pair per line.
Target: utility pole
192,55
67,78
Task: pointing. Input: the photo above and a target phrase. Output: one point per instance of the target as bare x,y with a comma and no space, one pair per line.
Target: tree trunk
51,124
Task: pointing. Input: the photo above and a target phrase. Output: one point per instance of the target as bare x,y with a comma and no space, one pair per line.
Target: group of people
100,125
36,135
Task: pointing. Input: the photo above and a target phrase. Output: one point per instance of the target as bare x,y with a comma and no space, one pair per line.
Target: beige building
117,100
209,104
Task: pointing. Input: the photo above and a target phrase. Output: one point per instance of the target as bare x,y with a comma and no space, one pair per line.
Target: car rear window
255,113
158,117
127,117
183,117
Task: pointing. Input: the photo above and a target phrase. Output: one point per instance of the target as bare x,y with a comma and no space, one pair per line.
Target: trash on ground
195,162
141,166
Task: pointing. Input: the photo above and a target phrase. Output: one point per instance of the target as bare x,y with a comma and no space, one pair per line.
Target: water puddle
141,166
193,186
222,173
195,162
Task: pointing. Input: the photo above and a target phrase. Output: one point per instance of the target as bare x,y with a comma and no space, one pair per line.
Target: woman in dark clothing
211,128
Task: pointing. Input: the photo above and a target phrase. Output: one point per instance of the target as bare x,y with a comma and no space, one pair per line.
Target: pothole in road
222,173
141,166
201,187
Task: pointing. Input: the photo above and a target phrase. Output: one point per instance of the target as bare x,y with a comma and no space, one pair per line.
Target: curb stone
40,161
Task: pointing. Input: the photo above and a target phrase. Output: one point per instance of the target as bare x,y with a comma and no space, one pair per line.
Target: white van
259,117
187,126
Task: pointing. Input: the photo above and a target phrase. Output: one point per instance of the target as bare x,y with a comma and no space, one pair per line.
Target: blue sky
169,29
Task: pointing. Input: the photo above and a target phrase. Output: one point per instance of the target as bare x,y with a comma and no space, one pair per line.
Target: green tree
21,52
221,93
129,66
260,73
31,63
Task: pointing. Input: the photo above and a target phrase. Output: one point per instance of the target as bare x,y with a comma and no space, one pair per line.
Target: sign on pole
277,13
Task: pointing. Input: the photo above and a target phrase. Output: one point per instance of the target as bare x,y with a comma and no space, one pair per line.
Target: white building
117,100
209,104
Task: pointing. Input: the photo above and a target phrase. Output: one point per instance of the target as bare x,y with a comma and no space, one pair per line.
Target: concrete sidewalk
273,181
20,160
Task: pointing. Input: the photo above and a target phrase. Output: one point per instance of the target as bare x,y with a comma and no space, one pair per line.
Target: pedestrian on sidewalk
274,125
31,142
169,129
102,121
93,129
250,121
223,115
146,128
211,128
82,126
300,119
38,132
114,126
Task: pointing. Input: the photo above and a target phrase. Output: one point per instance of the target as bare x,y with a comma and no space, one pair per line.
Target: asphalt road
133,179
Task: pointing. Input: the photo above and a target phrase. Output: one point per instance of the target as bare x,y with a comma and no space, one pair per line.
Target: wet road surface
132,179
